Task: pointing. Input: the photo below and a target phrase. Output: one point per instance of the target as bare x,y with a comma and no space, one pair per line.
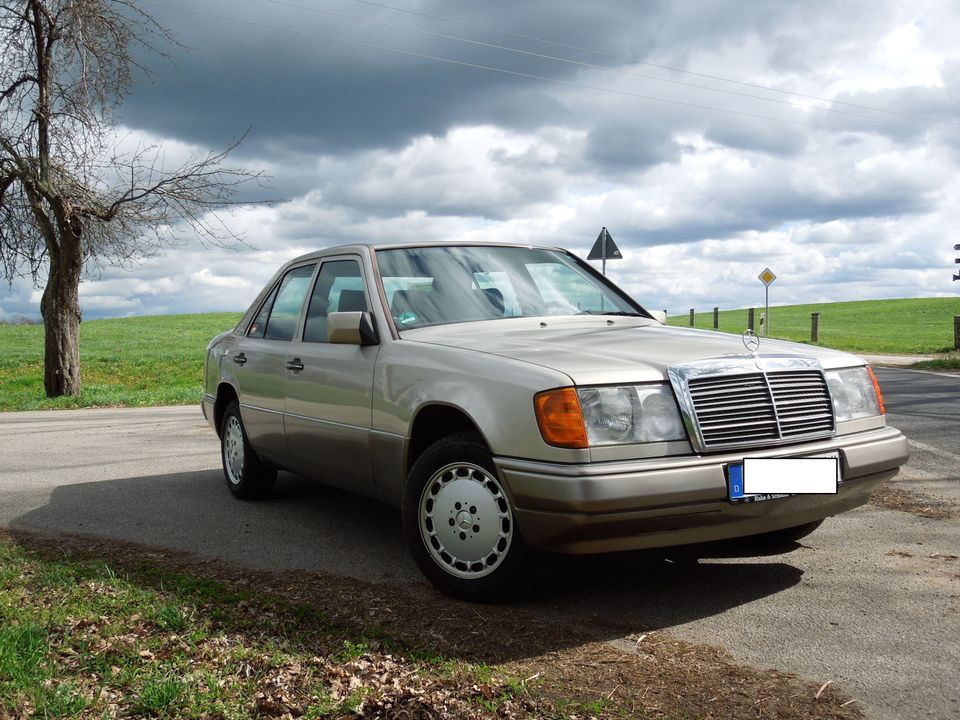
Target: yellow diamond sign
767,277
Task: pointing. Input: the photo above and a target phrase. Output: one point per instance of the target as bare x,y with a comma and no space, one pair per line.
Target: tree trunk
60,307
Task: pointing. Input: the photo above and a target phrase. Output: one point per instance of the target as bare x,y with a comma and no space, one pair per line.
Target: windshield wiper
621,313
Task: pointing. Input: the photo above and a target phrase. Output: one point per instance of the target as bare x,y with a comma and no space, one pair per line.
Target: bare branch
17,83
68,198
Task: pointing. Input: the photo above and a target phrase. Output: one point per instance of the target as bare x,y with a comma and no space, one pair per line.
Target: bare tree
69,198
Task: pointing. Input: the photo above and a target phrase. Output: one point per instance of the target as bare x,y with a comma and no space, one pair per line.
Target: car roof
367,247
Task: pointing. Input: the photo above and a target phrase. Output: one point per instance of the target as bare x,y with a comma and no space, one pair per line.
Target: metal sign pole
603,251
766,311
767,277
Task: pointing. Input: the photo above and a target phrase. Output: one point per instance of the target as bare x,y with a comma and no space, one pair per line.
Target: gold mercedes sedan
510,398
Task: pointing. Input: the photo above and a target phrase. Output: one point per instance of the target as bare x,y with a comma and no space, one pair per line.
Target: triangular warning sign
605,250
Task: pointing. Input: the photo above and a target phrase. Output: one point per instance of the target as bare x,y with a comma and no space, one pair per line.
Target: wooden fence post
716,318
691,317
956,332
750,319
814,327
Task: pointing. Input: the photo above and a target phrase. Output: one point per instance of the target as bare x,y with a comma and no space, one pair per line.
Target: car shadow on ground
308,528
658,589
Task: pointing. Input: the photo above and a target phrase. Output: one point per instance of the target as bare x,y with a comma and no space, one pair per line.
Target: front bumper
605,507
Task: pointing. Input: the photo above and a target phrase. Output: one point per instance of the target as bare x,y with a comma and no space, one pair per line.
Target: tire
786,536
246,474
459,525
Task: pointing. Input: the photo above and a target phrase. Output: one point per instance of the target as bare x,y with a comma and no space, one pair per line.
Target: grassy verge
85,638
91,629
911,325
124,362
950,363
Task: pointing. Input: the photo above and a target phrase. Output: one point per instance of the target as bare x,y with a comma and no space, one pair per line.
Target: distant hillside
909,325
158,360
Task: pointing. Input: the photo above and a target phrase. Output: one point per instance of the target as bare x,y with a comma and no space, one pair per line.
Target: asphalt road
926,408
871,601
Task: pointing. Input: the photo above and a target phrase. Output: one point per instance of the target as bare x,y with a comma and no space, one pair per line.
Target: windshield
452,284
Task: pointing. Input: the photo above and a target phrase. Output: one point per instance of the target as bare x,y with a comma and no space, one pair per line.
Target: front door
327,413
259,361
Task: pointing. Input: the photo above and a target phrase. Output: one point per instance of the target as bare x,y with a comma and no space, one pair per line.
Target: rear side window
259,323
278,317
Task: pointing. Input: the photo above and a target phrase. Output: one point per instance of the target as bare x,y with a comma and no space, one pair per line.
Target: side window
278,317
339,288
259,324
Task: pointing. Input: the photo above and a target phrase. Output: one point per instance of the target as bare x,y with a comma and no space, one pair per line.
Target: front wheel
458,522
246,474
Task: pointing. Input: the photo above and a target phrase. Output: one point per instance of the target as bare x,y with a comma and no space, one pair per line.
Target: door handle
240,359
295,365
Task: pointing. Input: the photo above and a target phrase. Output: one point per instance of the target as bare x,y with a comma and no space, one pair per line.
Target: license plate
771,478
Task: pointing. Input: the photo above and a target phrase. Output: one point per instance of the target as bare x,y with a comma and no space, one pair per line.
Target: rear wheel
247,476
458,522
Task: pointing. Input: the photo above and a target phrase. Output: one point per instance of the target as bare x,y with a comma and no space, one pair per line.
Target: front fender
496,393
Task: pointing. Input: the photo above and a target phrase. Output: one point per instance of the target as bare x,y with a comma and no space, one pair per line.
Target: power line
634,61
489,68
593,66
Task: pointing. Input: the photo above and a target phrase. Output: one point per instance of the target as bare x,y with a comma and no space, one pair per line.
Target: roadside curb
895,360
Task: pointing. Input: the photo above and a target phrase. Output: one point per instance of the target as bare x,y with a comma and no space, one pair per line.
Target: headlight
630,414
855,393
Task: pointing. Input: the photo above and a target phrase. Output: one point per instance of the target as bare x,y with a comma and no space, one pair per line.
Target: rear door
327,412
260,357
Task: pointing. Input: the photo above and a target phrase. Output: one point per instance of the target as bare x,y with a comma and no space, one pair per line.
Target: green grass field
126,361
159,360
85,638
912,325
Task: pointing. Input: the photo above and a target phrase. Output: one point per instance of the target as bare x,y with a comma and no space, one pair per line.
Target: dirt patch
652,675
899,553
895,497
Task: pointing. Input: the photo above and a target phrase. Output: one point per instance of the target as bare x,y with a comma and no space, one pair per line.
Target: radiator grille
759,408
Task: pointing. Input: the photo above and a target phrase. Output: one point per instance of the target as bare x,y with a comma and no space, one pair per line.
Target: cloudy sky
713,138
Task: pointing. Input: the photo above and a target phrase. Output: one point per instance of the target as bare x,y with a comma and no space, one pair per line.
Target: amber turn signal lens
876,386
560,419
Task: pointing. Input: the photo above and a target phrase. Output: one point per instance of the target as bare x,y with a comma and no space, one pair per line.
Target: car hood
604,349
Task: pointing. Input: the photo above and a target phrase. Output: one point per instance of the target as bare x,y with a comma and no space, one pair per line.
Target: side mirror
659,315
351,328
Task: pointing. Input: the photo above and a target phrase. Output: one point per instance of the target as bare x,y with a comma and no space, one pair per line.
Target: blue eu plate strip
735,473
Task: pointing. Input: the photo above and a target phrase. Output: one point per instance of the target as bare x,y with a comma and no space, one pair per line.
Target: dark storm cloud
321,96
624,144
758,135
910,112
